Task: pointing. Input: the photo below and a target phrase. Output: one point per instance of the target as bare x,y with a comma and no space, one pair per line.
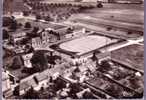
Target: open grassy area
132,13
86,44
121,16
133,54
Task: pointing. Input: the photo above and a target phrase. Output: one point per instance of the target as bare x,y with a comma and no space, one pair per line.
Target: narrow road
102,30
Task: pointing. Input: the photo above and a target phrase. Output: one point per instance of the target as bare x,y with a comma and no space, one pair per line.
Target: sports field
86,44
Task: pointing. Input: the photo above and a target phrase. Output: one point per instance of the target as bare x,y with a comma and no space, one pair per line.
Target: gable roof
27,84
42,76
32,82
27,56
23,86
4,76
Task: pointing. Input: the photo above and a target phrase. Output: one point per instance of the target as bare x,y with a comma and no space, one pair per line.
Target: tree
29,49
7,21
20,25
38,17
25,13
53,59
88,95
99,5
5,34
69,30
17,62
94,57
16,91
31,94
109,28
27,25
13,25
39,61
105,65
33,33
48,18
24,41
27,70
114,89
35,29
129,32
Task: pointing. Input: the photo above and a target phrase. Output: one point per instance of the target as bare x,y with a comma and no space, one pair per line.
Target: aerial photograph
73,49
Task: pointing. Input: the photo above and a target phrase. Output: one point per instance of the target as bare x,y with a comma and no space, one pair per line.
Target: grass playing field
85,44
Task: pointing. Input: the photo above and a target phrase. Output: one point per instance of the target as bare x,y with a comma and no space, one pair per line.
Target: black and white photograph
72,49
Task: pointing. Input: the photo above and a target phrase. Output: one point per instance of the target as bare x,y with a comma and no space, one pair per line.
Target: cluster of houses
21,44
15,86
41,42
36,81
39,79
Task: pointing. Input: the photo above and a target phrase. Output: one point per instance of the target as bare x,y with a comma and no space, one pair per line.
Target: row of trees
13,26
59,10
11,23
37,4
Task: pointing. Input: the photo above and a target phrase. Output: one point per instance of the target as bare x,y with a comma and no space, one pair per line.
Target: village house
103,56
26,59
24,85
75,33
42,81
36,42
16,37
45,38
37,81
6,84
